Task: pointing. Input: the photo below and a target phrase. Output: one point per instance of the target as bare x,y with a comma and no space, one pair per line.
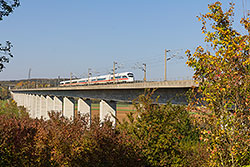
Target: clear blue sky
57,37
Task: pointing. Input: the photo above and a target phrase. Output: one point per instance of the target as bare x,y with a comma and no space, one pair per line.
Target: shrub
9,107
17,141
62,142
164,134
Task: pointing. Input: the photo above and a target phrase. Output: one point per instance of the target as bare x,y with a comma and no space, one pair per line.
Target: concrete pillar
25,103
28,104
68,108
24,100
57,104
21,99
84,108
42,110
18,99
32,106
49,104
37,109
108,110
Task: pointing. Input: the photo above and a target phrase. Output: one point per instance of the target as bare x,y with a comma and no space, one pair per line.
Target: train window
83,81
117,77
130,75
93,80
74,81
124,76
100,79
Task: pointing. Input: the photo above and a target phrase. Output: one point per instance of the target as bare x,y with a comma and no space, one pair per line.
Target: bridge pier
32,106
84,108
21,100
26,99
49,104
108,110
37,107
28,108
43,112
16,96
68,108
58,104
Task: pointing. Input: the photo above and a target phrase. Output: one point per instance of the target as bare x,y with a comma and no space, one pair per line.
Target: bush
9,107
164,134
63,142
157,135
17,141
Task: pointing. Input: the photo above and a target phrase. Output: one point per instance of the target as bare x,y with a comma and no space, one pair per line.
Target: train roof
122,73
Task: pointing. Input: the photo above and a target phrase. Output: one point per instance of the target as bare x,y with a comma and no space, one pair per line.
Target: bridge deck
134,85
167,90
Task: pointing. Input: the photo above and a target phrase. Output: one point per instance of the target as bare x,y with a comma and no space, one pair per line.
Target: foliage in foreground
223,74
159,136
165,134
4,93
10,109
61,142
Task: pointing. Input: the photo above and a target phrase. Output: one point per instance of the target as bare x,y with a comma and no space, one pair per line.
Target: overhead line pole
29,73
29,77
89,74
70,77
165,76
144,69
114,71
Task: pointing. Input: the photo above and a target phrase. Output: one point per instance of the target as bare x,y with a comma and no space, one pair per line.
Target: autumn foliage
165,134
160,135
223,73
61,142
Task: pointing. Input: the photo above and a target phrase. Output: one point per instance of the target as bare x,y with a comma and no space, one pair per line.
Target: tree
7,7
5,54
223,75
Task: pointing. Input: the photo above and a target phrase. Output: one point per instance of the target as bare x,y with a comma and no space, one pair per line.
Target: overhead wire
136,62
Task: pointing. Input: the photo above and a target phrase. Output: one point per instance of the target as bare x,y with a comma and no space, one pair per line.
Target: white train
119,77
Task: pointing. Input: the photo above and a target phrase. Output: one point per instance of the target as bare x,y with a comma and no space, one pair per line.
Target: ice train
103,79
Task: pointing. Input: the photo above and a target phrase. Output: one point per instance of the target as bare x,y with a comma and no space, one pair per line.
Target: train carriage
103,79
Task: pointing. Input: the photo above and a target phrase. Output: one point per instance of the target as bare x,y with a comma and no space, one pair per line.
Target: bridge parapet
135,85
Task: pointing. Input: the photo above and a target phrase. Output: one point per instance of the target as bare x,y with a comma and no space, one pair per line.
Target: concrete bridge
63,99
